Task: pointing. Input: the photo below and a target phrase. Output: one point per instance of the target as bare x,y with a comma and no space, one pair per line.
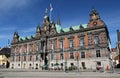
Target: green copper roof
33,36
66,29
58,28
23,38
76,27
28,37
85,25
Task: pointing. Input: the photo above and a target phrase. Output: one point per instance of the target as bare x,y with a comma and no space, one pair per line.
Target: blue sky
24,15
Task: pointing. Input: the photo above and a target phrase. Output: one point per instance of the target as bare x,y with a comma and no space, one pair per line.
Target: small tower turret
95,19
38,32
94,15
15,37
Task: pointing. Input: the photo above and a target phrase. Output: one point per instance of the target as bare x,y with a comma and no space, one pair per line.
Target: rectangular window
30,47
89,39
96,39
61,44
13,59
82,54
25,48
98,53
36,57
37,47
82,41
53,45
71,43
61,56
71,55
30,57
52,56
42,45
24,57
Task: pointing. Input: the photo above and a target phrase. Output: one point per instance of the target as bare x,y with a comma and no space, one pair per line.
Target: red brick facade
86,41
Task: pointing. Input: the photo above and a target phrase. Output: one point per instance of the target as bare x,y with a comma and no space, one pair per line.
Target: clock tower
95,19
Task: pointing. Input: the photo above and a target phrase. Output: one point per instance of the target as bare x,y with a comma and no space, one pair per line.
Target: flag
51,8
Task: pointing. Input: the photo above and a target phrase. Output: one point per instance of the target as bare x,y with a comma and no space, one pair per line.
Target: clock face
95,23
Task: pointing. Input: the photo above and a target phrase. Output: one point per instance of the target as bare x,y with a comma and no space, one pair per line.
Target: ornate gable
95,19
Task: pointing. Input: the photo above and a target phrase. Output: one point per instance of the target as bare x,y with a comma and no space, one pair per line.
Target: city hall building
85,46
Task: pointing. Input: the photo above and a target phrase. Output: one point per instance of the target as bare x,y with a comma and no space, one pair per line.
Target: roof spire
58,21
